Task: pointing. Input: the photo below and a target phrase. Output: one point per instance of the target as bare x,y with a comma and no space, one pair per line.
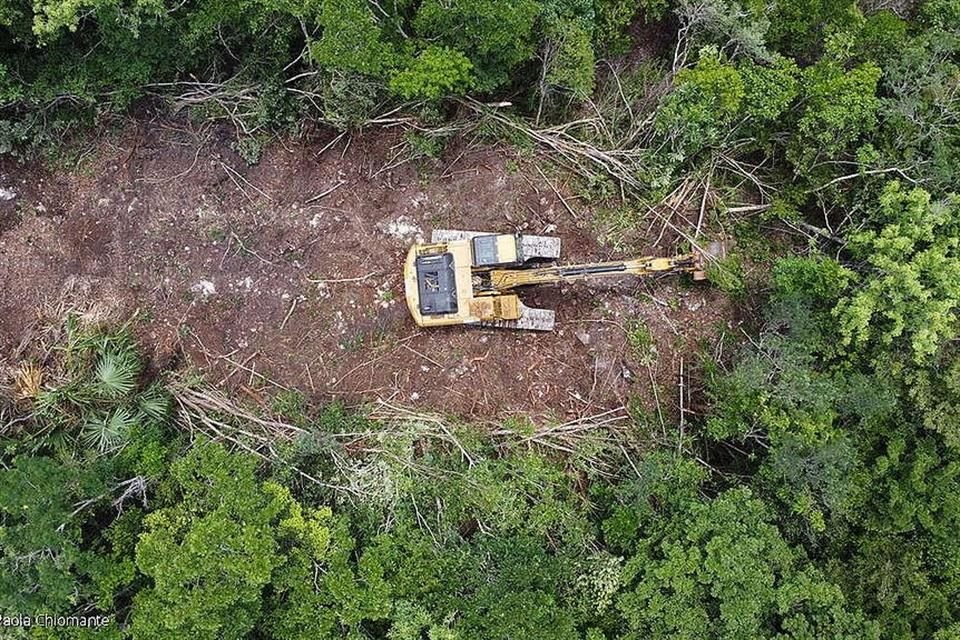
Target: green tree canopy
210,555
910,294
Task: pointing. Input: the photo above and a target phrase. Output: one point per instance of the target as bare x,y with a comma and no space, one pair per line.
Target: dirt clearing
290,271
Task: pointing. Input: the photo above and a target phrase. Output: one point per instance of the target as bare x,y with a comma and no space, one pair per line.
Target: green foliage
56,556
349,100
921,105
882,34
435,72
94,57
470,541
720,569
569,65
769,90
738,28
77,61
641,344
840,106
116,373
816,280
727,274
860,443
499,36
210,555
812,479
51,17
95,401
714,81
352,39
904,568
107,431
936,392
38,560
799,27
706,99
424,146
912,290
613,16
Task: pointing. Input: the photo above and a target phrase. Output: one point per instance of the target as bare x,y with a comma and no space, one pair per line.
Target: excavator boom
507,279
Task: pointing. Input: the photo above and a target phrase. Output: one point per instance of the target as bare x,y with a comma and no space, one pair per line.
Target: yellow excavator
469,277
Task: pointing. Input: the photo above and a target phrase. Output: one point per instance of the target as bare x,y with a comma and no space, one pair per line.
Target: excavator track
531,319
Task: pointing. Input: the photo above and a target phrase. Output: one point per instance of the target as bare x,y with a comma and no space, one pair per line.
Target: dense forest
815,495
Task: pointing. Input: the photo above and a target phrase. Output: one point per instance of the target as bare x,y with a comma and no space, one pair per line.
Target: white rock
7,194
404,228
203,289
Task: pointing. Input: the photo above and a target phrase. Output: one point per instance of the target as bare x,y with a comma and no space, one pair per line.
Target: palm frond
47,404
155,403
116,374
108,431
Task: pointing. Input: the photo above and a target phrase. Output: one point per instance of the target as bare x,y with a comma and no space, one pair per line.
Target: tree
702,106
568,57
52,17
738,28
352,39
60,551
839,107
39,558
903,567
910,295
921,103
495,37
719,568
434,73
769,89
211,553
799,27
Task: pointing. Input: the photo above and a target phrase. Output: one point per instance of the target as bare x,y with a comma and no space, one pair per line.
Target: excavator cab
467,277
447,280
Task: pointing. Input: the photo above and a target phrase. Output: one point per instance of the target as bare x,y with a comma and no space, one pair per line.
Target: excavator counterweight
466,277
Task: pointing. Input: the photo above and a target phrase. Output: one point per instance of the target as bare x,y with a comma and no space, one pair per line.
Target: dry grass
27,381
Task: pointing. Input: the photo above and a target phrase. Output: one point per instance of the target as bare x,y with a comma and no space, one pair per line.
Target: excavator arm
509,279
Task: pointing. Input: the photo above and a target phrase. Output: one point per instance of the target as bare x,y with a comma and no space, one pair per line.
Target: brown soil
236,270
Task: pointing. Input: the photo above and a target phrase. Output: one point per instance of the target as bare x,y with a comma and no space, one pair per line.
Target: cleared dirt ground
246,273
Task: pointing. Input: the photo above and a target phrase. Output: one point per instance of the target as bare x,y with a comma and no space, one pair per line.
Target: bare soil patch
244,273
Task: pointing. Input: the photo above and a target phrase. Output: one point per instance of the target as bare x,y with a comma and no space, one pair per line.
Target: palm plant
90,399
155,403
106,431
116,374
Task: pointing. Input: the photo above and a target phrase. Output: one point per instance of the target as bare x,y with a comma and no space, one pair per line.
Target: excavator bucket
715,250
